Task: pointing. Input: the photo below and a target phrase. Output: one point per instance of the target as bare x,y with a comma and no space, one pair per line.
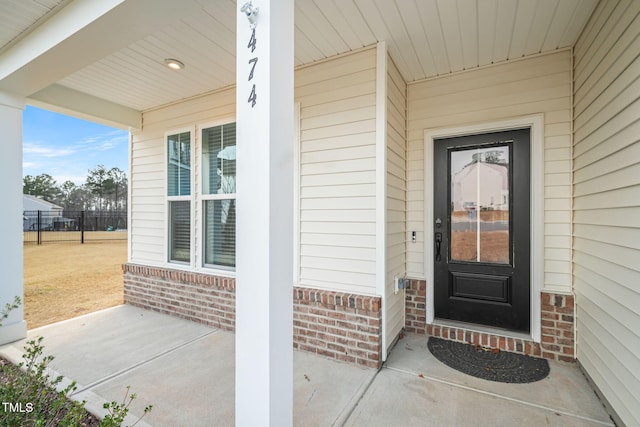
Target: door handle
438,246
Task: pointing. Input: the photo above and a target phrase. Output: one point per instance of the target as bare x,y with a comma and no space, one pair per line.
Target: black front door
482,229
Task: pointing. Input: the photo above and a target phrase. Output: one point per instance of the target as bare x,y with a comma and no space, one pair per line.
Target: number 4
252,41
252,97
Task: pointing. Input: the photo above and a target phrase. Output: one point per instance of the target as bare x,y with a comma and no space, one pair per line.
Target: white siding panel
337,264
621,236
540,84
396,199
362,177
344,253
333,203
331,278
587,154
357,242
340,105
344,141
338,129
343,228
607,204
347,165
351,190
337,154
338,215
338,117
337,167
619,380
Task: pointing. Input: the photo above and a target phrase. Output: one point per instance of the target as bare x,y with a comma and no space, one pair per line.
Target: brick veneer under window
557,337
338,325
202,298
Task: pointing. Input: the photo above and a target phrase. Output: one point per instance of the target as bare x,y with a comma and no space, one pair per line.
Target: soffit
426,38
20,16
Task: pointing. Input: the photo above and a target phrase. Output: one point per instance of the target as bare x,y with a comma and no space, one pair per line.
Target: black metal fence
73,226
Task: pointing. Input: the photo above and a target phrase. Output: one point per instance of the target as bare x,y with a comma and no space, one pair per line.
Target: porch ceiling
426,38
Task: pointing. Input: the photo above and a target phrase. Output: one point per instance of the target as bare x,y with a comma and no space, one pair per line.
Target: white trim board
536,123
381,187
296,194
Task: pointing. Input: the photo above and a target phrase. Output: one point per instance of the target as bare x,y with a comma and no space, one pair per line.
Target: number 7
254,61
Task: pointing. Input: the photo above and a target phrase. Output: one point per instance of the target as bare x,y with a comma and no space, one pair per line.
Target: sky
66,148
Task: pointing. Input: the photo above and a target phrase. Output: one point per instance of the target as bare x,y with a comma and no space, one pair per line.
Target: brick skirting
337,325
201,298
558,330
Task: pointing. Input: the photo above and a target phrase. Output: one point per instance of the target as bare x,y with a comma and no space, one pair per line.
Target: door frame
536,124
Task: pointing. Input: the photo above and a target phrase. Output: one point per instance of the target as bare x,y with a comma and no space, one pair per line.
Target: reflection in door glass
480,205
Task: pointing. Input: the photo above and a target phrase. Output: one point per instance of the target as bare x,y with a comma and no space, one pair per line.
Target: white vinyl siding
606,190
396,198
148,170
338,173
540,84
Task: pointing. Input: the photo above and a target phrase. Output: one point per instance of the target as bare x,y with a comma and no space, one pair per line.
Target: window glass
179,164
480,208
219,159
219,184
220,232
180,231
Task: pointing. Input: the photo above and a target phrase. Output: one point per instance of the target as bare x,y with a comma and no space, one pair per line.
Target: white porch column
11,285
264,253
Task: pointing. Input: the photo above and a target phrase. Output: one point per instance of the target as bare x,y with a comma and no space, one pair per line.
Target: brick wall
558,331
337,325
201,298
557,338
415,307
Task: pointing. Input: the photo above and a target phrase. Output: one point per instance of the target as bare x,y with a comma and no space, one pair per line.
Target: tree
99,183
74,197
495,156
43,186
104,190
118,183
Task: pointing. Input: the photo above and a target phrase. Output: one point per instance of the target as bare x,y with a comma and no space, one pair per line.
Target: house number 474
253,62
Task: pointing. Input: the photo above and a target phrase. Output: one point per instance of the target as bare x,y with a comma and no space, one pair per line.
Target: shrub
9,307
29,393
29,397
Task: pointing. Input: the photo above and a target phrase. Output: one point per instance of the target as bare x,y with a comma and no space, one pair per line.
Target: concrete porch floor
186,371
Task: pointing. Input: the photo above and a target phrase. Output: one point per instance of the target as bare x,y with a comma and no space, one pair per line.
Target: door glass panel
480,204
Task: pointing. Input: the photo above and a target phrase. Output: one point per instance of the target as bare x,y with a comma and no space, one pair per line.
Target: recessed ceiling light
174,64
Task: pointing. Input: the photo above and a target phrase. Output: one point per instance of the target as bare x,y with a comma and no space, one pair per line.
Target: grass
65,280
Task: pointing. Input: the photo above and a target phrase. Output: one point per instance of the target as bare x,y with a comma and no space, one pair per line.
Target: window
179,196
219,195
202,212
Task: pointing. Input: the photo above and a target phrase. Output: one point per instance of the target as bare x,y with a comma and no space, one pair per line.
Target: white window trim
199,264
536,124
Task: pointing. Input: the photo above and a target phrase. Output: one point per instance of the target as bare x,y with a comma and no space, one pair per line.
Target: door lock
438,223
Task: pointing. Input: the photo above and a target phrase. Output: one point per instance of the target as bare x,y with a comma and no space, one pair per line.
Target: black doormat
493,365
